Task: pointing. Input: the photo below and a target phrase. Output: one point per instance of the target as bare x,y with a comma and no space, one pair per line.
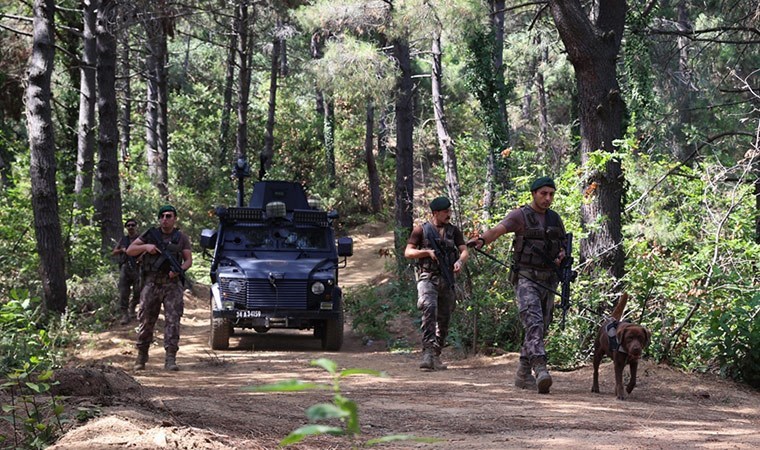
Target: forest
646,114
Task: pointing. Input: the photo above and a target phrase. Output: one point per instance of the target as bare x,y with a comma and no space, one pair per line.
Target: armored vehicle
275,265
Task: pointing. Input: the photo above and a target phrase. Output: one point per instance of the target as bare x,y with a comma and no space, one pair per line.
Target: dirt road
473,405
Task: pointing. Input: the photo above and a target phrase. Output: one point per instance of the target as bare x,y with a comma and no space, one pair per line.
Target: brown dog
632,339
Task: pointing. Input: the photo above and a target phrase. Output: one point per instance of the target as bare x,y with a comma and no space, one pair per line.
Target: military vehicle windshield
279,238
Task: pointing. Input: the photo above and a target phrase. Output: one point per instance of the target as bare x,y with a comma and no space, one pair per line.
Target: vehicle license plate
247,314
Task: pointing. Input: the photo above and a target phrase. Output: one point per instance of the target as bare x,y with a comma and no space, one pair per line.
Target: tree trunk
382,134
85,129
369,157
593,50
324,107
268,152
229,77
684,87
328,130
444,138
156,110
552,152
497,23
500,169
47,226
284,68
404,201
125,123
244,81
108,195
152,155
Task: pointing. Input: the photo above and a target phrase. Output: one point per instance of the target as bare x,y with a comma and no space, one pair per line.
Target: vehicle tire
261,329
220,334
332,339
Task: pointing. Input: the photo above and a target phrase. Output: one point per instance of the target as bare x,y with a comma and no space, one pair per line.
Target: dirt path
473,405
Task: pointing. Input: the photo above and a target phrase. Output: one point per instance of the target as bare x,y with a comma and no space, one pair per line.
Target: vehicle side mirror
208,239
345,246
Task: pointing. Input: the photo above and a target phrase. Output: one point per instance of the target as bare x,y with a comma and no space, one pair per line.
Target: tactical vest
158,264
538,247
124,258
445,243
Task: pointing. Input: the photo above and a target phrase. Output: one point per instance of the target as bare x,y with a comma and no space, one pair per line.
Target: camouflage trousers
169,294
536,306
129,286
436,300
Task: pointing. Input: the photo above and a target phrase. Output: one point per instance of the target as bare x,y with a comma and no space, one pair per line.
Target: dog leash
498,261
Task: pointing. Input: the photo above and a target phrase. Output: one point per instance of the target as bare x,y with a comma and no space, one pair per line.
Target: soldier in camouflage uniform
129,273
161,285
538,249
434,244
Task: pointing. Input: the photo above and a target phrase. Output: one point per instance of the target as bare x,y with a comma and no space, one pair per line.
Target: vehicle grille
289,294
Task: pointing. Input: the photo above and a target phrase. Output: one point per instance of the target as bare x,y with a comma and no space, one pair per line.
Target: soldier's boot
437,363
543,379
171,362
524,378
142,358
427,360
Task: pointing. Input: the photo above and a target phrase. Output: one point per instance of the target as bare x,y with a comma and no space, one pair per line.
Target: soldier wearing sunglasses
129,273
161,284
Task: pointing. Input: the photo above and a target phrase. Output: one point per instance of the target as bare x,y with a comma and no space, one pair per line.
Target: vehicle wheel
220,334
332,339
261,329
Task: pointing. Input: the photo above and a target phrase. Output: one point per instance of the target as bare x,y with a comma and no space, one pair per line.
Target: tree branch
709,140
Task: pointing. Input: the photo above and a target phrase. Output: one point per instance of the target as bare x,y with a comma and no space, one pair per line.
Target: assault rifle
443,259
566,276
163,249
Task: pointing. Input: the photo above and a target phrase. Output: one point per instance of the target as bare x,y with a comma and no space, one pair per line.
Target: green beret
166,208
541,182
440,204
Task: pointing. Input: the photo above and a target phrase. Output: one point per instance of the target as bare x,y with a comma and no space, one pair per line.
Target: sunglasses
131,225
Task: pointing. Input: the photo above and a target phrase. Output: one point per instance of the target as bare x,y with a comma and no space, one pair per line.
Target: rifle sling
518,271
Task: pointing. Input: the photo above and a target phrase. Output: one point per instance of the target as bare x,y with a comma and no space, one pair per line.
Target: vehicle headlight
236,286
318,288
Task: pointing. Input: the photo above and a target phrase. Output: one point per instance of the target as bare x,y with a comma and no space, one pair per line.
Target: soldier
161,284
537,252
441,252
129,273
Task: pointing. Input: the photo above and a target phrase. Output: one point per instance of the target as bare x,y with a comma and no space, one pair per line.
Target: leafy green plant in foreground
343,409
35,422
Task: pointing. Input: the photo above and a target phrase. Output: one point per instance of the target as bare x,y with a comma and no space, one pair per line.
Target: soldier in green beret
439,247
537,250
161,284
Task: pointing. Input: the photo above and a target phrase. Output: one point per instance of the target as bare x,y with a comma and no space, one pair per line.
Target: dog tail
617,313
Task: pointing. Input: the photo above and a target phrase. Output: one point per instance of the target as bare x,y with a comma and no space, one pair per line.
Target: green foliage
736,329
484,83
93,302
355,71
22,333
34,413
342,409
371,309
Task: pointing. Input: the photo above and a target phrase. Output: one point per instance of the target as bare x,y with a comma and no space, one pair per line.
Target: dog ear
622,330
